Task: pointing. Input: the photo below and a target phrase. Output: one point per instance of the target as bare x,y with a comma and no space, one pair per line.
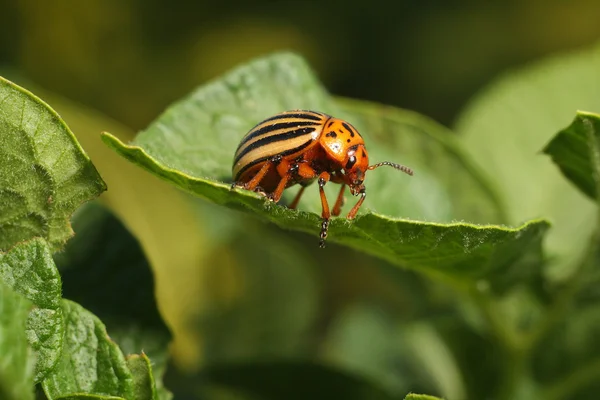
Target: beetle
299,147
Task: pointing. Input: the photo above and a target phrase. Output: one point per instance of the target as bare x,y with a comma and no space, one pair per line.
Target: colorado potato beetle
298,147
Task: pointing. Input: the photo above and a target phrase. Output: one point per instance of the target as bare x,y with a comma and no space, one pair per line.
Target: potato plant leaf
153,345
192,143
576,151
16,366
506,125
91,365
144,387
28,269
199,134
103,257
44,173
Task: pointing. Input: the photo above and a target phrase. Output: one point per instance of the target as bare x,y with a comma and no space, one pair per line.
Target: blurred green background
129,59
114,65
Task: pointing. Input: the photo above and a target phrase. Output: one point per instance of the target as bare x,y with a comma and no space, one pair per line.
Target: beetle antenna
402,168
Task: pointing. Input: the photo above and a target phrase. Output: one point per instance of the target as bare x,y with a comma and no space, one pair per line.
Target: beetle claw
323,235
271,197
260,191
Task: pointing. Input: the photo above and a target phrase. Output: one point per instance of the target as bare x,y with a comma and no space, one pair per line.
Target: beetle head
357,164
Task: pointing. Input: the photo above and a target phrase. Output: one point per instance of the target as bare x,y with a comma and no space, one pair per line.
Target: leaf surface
144,387
44,173
28,268
192,143
576,151
91,365
16,361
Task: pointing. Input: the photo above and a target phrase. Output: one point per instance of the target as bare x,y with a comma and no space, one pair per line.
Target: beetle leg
323,179
354,210
294,203
304,171
284,169
253,183
337,208
276,195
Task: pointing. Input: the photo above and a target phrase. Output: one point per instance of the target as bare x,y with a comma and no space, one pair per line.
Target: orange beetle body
299,146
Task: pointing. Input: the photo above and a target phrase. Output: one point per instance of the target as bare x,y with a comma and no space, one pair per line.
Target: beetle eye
350,163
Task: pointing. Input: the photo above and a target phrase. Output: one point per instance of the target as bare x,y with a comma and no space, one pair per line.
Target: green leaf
174,240
91,364
152,343
28,268
507,124
44,173
576,151
16,361
144,387
226,109
221,112
103,257
294,380
413,396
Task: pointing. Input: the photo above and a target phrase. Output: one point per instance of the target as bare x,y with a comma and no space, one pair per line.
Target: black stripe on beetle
267,158
270,128
299,115
331,134
286,135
